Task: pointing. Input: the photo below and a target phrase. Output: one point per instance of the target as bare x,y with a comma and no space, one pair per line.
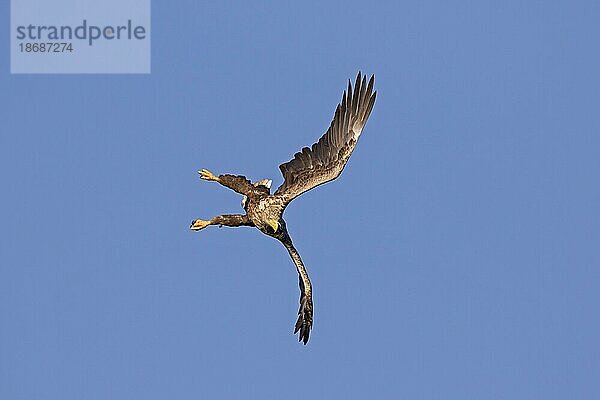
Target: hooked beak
273,224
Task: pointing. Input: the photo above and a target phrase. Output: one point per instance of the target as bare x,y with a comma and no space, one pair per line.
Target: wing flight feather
326,159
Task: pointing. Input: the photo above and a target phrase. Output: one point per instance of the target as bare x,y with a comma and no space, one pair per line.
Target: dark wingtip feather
304,321
371,82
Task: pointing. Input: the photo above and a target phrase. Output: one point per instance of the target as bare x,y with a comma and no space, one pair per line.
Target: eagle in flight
311,167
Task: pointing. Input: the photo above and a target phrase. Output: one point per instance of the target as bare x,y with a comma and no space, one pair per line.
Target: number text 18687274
51,47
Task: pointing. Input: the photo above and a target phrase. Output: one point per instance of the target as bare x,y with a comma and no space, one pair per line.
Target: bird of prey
309,168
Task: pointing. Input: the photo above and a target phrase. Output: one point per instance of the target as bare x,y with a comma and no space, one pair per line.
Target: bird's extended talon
207,175
199,224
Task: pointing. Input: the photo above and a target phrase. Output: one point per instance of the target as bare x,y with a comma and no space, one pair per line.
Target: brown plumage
309,168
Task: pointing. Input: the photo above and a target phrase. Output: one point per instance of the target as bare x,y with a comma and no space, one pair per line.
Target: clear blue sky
456,257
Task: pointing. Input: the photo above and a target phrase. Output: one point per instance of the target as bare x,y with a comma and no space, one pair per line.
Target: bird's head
273,224
276,227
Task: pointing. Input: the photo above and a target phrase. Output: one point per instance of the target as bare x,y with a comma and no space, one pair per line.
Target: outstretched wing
305,313
326,159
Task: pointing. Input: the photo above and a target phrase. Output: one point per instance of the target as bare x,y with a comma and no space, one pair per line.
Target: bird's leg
236,183
233,220
207,175
199,224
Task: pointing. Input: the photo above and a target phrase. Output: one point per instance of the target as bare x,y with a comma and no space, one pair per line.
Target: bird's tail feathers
264,182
